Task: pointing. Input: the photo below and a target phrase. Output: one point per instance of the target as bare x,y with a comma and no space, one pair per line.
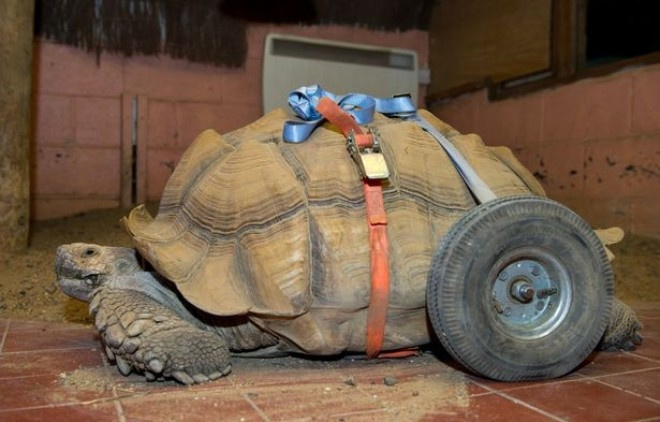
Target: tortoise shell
249,224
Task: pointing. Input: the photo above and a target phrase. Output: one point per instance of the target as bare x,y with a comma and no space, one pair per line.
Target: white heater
291,62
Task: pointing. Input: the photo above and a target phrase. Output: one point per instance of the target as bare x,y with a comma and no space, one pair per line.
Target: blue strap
304,100
476,185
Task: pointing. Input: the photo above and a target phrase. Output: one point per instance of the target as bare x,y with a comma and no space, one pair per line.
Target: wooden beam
127,156
16,29
473,42
142,149
134,149
565,43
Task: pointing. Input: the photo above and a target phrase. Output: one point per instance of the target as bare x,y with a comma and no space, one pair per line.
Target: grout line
531,407
25,376
492,390
616,387
642,356
252,404
614,374
651,419
43,406
66,404
365,413
46,330
255,407
119,408
522,403
4,335
18,352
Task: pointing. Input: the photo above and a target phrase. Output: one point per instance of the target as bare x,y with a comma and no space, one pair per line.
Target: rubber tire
460,301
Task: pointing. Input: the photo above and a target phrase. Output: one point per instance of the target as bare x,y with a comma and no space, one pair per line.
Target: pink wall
593,144
79,112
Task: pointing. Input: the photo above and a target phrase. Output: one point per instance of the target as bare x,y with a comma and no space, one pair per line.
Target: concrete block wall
78,115
593,144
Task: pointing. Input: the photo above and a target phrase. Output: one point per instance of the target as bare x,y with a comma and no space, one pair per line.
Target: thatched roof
207,31
194,30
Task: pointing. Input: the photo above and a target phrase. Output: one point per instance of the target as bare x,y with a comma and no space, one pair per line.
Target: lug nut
522,291
536,270
543,293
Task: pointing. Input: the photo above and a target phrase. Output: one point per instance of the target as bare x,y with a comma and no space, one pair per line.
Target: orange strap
377,219
380,275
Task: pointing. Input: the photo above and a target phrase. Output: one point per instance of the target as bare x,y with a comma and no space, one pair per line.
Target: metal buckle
371,161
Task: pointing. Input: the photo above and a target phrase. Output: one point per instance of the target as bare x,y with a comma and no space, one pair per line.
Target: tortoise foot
622,332
143,336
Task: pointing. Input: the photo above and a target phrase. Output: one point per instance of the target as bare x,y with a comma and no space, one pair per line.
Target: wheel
519,289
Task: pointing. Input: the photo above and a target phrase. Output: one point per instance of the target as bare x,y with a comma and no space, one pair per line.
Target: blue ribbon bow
303,102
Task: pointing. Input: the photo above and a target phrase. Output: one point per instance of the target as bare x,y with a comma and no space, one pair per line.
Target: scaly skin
144,336
147,328
622,332
82,267
143,324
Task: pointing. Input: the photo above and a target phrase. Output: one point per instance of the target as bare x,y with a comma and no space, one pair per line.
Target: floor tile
107,378
22,364
650,350
247,378
423,394
490,407
294,401
650,347
45,339
105,412
42,390
44,326
587,400
646,308
360,390
53,371
649,315
191,406
643,383
492,385
4,329
609,363
380,415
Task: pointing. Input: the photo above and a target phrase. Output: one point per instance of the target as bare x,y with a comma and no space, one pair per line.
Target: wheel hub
522,290
531,295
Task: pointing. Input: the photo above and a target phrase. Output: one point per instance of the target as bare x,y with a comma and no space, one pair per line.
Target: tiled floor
57,372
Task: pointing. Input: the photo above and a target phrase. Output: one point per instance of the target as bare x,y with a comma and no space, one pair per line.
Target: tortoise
260,248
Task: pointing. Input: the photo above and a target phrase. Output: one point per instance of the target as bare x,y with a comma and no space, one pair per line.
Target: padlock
370,160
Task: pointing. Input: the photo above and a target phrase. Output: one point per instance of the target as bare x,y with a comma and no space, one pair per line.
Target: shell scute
236,240
250,224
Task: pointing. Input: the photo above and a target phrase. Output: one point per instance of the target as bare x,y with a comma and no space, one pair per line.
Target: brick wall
80,105
593,144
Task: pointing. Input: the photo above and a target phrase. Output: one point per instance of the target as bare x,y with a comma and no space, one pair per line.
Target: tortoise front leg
143,336
622,332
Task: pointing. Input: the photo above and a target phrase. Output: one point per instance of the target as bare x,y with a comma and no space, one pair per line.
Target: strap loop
313,105
377,220
304,102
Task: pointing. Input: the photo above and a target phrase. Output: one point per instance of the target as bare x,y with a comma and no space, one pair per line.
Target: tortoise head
82,268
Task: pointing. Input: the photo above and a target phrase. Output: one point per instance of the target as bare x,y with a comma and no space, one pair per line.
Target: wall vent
291,62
